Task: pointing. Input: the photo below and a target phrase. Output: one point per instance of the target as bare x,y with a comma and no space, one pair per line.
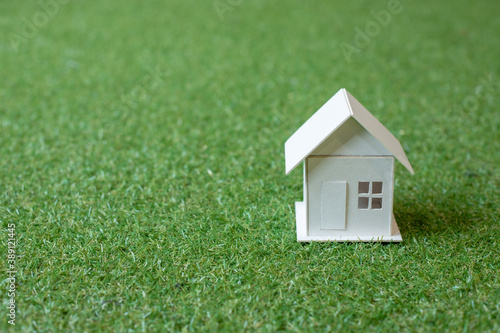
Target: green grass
151,204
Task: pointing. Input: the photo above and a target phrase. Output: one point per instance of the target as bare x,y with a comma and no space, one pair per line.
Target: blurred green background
143,165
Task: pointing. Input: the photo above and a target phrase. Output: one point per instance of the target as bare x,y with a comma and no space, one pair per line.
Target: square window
363,187
362,203
377,187
376,203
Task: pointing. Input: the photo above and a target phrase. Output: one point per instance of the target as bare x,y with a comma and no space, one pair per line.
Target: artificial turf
142,164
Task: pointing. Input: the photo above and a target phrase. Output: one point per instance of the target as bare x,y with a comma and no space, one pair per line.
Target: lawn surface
142,164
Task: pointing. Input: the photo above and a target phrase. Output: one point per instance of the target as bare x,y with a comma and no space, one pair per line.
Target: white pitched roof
327,120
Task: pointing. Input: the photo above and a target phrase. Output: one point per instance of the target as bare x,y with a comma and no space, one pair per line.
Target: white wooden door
333,205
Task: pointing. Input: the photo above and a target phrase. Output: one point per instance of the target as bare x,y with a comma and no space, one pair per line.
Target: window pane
362,203
363,187
377,187
376,203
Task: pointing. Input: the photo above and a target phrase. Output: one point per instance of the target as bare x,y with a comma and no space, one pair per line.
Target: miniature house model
348,174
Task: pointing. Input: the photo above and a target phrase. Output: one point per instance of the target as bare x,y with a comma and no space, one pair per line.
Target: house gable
327,120
351,139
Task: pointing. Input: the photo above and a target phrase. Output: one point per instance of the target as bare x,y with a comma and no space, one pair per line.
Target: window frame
370,195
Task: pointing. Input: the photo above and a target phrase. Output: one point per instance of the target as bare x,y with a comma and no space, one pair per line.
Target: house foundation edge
302,233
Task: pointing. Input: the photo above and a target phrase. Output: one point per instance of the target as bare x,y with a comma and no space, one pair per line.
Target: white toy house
348,174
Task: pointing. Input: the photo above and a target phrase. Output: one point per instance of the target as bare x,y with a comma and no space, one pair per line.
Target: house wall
351,170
